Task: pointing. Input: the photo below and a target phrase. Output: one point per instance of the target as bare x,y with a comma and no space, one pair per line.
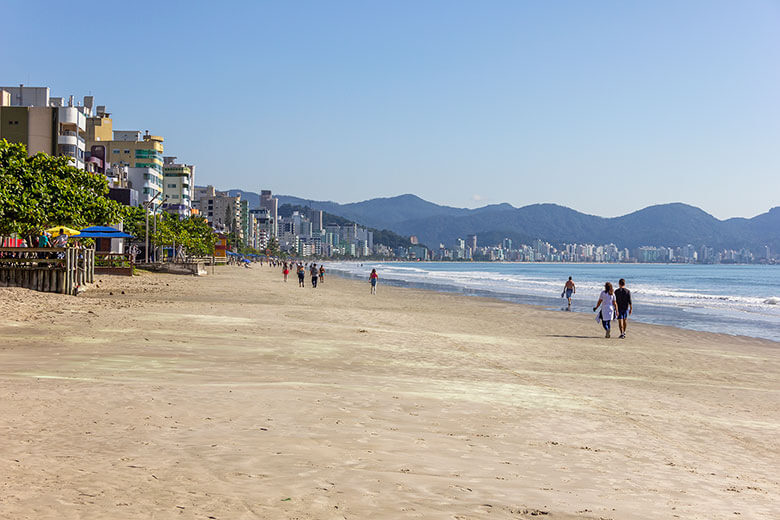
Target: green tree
273,247
43,191
134,221
192,233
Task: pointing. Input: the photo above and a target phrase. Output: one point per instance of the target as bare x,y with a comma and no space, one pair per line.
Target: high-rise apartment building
471,241
221,210
261,221
178,180
28,115
271,203
100,129
315,216
142,155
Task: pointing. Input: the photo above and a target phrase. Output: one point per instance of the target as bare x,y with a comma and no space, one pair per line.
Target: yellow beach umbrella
62,230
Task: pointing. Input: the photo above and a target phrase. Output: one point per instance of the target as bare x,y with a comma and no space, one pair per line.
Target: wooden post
66,273
68,288
91,267
80,263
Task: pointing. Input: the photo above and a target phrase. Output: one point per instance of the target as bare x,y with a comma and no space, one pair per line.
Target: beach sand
235,396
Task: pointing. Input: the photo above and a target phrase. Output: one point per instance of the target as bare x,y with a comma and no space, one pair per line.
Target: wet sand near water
235,396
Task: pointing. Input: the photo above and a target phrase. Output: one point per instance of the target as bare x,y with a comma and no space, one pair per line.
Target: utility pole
155,222
146,212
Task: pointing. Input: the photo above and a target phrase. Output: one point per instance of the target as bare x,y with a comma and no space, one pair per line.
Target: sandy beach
236,395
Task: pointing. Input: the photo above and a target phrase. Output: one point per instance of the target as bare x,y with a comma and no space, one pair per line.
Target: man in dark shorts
568,290
624,306
314,275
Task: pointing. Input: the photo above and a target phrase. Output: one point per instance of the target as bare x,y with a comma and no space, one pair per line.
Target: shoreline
655,313
239,396
632,323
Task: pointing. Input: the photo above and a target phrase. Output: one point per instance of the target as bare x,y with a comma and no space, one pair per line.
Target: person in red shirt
373,277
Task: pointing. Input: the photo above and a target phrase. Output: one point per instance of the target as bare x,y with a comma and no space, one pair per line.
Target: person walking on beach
607,302
373,277
568,290
285,271
301,275
624,306
314,275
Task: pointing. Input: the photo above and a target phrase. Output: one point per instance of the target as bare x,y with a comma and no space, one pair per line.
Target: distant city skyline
602,107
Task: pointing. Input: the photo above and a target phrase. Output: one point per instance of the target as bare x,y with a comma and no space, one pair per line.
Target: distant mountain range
669,225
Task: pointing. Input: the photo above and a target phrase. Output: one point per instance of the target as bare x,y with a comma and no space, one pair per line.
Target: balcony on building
70,137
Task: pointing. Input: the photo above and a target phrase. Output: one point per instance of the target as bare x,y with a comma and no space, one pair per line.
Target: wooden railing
48,269
114,263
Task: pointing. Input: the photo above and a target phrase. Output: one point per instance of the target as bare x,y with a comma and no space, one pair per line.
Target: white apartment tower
178,181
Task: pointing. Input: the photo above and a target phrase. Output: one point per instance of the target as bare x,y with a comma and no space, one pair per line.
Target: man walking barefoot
624,306
568,290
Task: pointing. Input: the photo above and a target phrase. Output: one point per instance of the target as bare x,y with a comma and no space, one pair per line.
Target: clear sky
602,106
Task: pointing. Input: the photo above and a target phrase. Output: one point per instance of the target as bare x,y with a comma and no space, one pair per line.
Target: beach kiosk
220,248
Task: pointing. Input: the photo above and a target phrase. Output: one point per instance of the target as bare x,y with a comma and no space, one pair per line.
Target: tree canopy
42,191
193,233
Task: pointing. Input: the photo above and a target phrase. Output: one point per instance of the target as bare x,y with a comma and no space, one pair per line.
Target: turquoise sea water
730,299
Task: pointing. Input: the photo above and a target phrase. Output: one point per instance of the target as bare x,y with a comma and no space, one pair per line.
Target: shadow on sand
568,336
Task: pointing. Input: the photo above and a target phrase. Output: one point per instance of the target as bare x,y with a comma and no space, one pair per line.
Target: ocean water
731,299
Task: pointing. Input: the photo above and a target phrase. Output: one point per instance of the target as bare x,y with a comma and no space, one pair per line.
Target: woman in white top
607,302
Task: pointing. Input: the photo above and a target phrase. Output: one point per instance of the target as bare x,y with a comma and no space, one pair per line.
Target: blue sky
602,106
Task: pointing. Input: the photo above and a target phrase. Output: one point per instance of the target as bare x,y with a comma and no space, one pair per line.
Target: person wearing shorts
373,277
624,306
568,290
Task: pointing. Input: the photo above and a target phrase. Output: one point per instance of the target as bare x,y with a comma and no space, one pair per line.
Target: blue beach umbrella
102,232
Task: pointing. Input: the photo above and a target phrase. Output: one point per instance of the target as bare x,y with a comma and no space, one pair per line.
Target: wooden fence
114,263
47,269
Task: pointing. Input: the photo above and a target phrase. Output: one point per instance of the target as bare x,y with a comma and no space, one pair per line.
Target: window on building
171,185
115,150
127,151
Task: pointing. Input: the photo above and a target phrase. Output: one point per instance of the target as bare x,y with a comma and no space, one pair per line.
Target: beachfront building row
132,162
228,213
221,209
304,233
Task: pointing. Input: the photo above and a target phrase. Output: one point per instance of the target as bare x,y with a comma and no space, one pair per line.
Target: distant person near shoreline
301,275
285,271
314,275
373,277
568,290
322,273
624,306
607,302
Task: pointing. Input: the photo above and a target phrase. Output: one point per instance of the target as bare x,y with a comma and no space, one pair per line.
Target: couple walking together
614,304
